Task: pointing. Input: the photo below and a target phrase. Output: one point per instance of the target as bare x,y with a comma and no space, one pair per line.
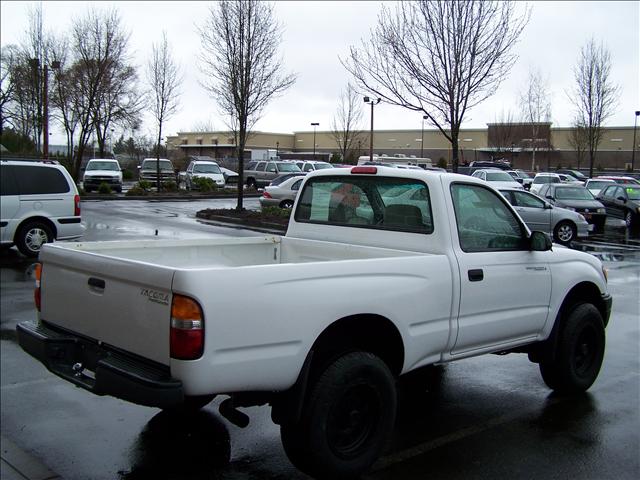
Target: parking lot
488,417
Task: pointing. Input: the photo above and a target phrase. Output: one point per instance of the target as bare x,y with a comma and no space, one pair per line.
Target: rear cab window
380,203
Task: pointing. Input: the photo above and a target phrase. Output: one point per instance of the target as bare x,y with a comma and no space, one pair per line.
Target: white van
40,204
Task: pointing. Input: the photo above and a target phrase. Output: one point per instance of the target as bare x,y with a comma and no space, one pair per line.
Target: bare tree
578,139
503,133
439,57
164,79
241,65
8,57
100,50
595,96
535,103
345,125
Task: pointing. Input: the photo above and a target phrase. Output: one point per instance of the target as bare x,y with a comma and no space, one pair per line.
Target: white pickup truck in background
390,271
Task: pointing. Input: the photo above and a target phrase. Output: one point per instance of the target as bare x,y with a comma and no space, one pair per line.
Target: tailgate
123,303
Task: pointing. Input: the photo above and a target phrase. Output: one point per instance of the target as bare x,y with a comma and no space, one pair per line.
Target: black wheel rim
352,421
585,351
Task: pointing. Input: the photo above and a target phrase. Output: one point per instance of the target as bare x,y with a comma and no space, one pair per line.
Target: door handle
96,283
476,275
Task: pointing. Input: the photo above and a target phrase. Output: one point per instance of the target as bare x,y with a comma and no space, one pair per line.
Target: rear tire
347,418
251,183
31,237
565,232
579,352
286,204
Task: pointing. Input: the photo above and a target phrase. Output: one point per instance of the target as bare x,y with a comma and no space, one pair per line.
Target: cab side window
260,166
484,222
271,167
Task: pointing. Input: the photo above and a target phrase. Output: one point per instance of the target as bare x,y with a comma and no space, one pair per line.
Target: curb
229,222
166,197
16,464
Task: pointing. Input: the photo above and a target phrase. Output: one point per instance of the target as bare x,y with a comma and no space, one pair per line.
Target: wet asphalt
488,417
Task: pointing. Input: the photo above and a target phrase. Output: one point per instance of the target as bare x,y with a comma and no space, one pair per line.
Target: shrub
104,188
143,185
276,212
169,186
127,174
204,184
442,163
136,191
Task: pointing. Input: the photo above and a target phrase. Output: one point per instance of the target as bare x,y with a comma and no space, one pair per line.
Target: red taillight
365,170
37,298
187,329
266,194
76,206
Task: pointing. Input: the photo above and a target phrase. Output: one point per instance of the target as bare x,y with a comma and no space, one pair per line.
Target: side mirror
549,197
540,242
519,180
622,199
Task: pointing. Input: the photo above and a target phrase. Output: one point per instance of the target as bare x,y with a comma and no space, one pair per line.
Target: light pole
35,63
278,148
633,154
372,102
111,141
314,125
424,117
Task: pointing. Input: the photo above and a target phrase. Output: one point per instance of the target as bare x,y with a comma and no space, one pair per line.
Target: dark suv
577,198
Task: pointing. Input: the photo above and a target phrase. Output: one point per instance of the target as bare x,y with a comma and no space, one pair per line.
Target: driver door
505,287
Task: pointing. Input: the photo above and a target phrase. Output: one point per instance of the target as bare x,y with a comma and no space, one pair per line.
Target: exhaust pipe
231,413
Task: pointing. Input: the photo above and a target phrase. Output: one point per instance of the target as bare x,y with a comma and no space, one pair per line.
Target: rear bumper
100,369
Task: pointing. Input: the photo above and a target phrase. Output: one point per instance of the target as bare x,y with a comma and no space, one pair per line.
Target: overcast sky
316,34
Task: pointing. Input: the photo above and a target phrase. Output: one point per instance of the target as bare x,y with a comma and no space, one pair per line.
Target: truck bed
93,284
232,252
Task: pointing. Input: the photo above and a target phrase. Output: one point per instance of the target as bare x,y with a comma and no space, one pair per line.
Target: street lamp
424,117
314,125
372,102
278,148
633,154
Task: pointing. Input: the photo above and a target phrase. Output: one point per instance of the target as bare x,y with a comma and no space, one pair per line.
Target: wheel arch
364,332
583,292
44,220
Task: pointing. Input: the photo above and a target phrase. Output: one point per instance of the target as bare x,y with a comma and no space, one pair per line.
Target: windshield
165,165
287,167
573,193
113,166
321,166
523,174
207,168
499,177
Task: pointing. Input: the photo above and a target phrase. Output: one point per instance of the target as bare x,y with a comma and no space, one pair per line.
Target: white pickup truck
381,272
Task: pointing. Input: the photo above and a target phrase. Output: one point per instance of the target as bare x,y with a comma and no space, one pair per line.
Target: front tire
31,237
346,420
565,232
286,204
579,352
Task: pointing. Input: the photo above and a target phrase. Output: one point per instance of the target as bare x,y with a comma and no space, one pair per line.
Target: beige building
553,146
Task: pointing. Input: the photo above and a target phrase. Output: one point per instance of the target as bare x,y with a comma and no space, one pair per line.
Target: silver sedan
283,194
564,225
